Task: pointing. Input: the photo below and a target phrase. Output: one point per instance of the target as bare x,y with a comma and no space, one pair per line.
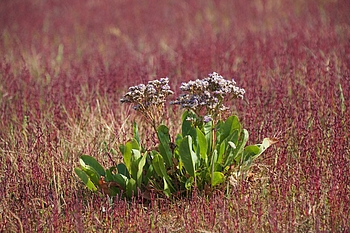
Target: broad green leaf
109,173
164,145
149,174
250,152
237,153
136,133
230,152
187,156
187,125
203,145
136,153
159,167
267,142
166,188
120,179
221,150
178,140
208,127
135,160
85,178
140,170
92,162
208,132
156,161
122,148
91,173
217,178
231,124
126,150
123,170
131,188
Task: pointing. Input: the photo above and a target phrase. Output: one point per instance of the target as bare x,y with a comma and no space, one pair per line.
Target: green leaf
135,160
136,153
213,162
92,174
140,170
136,133
203,145
189,183
208,128
131,188
166,188
92,162
85,178
121,179
217,178
187,156
110,177
126,150
149,174
109,173
208,132
221,150
230,125
250,152
228,133
236,154
159,167
123,170
267,142
164,146
187,125
90,171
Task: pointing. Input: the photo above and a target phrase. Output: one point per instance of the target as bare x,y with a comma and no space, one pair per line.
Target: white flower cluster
208,93
153,94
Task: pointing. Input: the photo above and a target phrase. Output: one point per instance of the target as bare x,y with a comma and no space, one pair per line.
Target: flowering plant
205,155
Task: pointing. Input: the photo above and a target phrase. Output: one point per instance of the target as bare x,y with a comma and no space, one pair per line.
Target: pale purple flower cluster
208,93
144,96
207,118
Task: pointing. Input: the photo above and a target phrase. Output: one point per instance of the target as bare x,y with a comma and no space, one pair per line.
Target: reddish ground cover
65,64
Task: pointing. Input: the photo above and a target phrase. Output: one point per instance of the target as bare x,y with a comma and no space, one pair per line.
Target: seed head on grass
208,95
149,99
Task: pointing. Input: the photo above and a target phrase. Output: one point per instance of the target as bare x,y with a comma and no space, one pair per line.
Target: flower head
144,96
149,99
208,93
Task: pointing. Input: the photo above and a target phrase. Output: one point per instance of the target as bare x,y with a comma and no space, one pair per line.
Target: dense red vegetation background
58,57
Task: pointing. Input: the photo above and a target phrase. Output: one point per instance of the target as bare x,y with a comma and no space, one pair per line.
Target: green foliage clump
205,155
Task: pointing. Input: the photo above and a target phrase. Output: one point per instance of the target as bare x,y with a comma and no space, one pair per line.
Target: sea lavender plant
204,156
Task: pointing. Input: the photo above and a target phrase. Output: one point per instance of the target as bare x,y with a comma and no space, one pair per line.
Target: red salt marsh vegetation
64,65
